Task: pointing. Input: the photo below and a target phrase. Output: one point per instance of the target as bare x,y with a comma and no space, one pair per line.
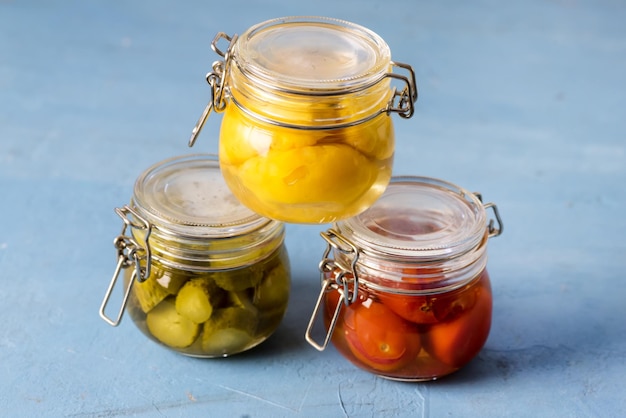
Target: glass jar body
211,313
405,289
305,176
307,134
412,337
203,274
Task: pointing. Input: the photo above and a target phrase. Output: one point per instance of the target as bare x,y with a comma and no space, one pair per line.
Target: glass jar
203,275
405,290
307,134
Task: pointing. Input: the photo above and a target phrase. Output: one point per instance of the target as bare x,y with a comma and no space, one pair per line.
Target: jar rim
187,196
311,54
419,218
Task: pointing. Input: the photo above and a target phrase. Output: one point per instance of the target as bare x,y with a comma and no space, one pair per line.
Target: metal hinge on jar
406,97
334,277
216,80
129,254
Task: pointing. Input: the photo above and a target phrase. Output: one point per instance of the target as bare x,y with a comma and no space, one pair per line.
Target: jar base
409,380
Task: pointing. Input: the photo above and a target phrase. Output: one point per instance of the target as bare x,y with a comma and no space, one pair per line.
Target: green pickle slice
238,280
170,327
157,287
273,291
197,299
242,300
149,293
171,282
229,330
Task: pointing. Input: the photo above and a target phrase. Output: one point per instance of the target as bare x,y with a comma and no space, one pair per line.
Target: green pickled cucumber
238,280
229,330
273,291
171,282
197,299
227,341
149,293
169,327
242,300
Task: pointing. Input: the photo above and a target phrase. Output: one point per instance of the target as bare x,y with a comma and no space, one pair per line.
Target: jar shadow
543,344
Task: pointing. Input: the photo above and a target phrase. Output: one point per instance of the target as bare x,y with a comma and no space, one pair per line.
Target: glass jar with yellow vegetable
307,134
203,274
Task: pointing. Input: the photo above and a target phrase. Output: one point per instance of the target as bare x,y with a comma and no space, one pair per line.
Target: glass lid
312,53
187,195
419,217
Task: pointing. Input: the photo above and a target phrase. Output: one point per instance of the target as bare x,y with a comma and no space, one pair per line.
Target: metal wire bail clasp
129,254
403,101
492,229
334,278
216,80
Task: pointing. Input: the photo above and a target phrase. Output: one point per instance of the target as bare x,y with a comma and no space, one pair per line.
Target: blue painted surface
524,102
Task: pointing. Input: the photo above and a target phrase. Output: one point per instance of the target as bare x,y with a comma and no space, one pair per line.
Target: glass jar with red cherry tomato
405,289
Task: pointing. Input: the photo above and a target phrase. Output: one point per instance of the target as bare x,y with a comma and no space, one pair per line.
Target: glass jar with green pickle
203,275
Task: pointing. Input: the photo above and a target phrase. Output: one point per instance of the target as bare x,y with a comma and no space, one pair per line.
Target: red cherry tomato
431,309
378,337
417,309
456,341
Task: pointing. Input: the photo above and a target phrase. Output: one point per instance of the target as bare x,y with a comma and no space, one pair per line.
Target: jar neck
314,109
205,253
415,275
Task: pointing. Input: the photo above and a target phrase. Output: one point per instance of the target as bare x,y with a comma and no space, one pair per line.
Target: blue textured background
524,102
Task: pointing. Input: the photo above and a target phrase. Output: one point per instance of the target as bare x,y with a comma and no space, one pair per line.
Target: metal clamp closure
345,278
492,230
402,101
217,81
334,278
407,97
129,253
